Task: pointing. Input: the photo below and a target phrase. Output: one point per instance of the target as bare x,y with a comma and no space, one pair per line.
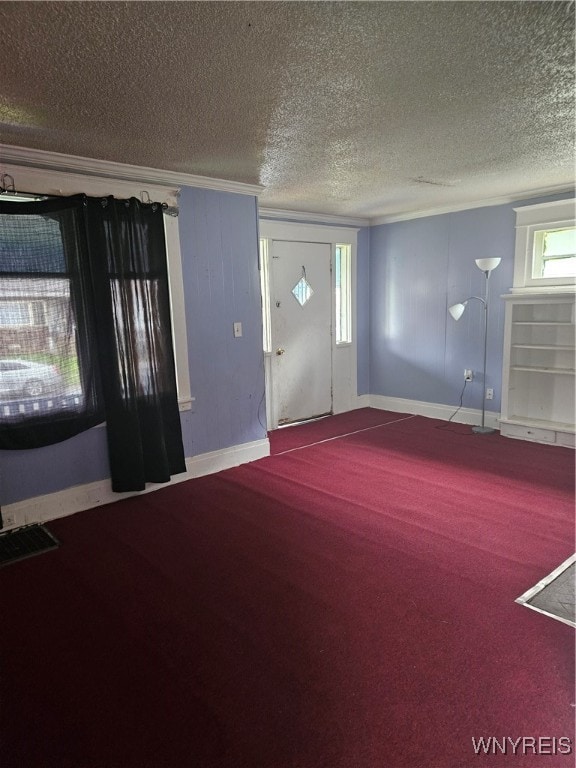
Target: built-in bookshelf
538,377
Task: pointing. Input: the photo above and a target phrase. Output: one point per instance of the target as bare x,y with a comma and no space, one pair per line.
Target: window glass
343,268
265,293
38,339
555,253
545,253
14,313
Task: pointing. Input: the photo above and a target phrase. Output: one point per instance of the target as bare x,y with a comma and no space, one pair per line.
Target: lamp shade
456,310
487,265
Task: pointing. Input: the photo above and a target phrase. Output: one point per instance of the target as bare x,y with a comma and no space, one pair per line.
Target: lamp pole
483,429
456,310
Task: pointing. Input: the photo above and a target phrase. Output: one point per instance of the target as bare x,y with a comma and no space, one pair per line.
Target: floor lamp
456,310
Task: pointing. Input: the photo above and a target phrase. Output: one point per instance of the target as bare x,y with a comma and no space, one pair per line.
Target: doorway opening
307,277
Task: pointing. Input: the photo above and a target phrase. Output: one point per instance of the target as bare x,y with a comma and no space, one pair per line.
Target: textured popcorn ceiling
362,108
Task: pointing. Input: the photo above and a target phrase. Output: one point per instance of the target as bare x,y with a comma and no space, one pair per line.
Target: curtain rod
9,188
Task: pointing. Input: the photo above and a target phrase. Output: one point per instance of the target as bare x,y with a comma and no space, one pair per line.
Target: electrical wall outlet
489,393
468,374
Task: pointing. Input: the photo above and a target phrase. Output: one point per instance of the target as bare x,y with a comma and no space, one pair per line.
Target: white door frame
344,356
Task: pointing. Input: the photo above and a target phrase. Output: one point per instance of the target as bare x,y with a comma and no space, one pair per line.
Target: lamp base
483,430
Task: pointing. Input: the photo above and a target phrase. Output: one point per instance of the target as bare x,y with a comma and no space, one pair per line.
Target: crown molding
55,161
560,209
315,218
483,203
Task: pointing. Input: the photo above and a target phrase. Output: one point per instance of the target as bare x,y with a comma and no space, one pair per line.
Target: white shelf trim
543,322
556,347
529,421
538,369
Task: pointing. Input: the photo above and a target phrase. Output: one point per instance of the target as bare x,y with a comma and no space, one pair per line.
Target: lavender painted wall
418,268
219,245
218,234
25,474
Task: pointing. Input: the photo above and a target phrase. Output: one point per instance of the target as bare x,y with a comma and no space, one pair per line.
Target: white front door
301,330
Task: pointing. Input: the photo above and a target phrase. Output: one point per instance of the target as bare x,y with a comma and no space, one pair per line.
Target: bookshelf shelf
539,368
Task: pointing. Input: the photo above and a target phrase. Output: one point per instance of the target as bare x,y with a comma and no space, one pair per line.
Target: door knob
280,351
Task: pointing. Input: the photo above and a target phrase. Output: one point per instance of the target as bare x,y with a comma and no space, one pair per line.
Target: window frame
264,267
343,293
531,220
48,183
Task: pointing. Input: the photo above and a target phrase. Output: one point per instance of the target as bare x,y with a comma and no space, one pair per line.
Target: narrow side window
265,292
343,267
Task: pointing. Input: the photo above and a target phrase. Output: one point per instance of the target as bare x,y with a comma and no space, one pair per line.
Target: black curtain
103,271
127,257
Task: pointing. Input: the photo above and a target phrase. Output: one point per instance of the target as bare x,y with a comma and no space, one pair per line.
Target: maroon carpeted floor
328,428
346,605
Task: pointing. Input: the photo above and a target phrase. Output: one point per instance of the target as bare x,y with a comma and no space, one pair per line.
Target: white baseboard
226,458
80,497
434,410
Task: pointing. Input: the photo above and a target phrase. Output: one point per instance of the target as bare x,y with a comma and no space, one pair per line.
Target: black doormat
555,594
25,542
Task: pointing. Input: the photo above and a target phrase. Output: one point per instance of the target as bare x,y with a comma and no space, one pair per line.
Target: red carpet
329,428
346,605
